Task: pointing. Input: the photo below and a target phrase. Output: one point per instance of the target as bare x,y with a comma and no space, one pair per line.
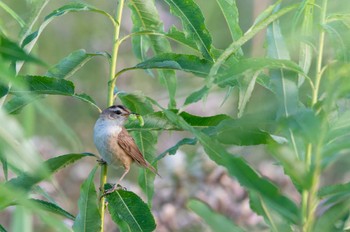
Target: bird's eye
118,112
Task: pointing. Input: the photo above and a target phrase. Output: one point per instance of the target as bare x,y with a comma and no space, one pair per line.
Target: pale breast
105,139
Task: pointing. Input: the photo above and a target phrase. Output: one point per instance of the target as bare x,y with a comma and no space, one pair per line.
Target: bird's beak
131,113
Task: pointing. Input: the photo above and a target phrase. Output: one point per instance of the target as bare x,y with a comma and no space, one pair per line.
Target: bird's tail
152,169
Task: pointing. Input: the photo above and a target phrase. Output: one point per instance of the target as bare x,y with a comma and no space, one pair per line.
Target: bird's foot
101,161
111,190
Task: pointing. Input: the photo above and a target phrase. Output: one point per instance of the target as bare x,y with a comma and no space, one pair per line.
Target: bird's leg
124,174
116,186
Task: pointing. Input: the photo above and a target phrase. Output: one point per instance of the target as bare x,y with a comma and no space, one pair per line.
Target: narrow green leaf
196,96
16,103
172,150
158,121
245,131
337,138
146,142
183,62
9,50
53,208
217,222
36,86
31,39
327,221
305,50
292,165
285,86
4,166
305,123
9,195
246,87
50,166
247,67
45,85
338,189
2,229
145,17
230,11
152,122
136,102
193,24
86,98
198,121
13,14
273,219
88,218
338,31
181,38
238,168
4,90
233,48
128,207
70,64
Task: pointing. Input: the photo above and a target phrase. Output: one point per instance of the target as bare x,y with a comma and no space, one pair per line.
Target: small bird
114,143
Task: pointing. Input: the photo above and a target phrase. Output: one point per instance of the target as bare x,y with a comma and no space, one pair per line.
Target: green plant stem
314,153
103,180
113,65
320,54
110,97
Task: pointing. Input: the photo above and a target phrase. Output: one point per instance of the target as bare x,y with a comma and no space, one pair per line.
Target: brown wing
127,143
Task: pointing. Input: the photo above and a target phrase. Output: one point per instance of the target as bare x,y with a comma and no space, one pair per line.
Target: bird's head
116,112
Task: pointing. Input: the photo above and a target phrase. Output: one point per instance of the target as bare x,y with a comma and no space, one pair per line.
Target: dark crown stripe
119,107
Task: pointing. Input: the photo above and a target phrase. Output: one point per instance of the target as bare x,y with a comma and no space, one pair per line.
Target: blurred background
64,125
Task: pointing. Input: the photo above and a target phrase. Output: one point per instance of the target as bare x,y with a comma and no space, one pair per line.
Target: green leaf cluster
293,101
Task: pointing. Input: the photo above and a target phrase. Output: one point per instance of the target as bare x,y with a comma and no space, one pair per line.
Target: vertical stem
320,54
110,97
103,180
310,199
116,43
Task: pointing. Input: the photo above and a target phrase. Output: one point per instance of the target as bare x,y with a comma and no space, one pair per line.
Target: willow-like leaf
216,221
196,95
31,39
88,218
27,180
172,150
128,207
145,17
182,62
233,48
71,64
193,24
11,51
239,168
13,14
230,11
53,208
34,87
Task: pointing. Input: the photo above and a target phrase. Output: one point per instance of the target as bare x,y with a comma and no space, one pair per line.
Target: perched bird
114,143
